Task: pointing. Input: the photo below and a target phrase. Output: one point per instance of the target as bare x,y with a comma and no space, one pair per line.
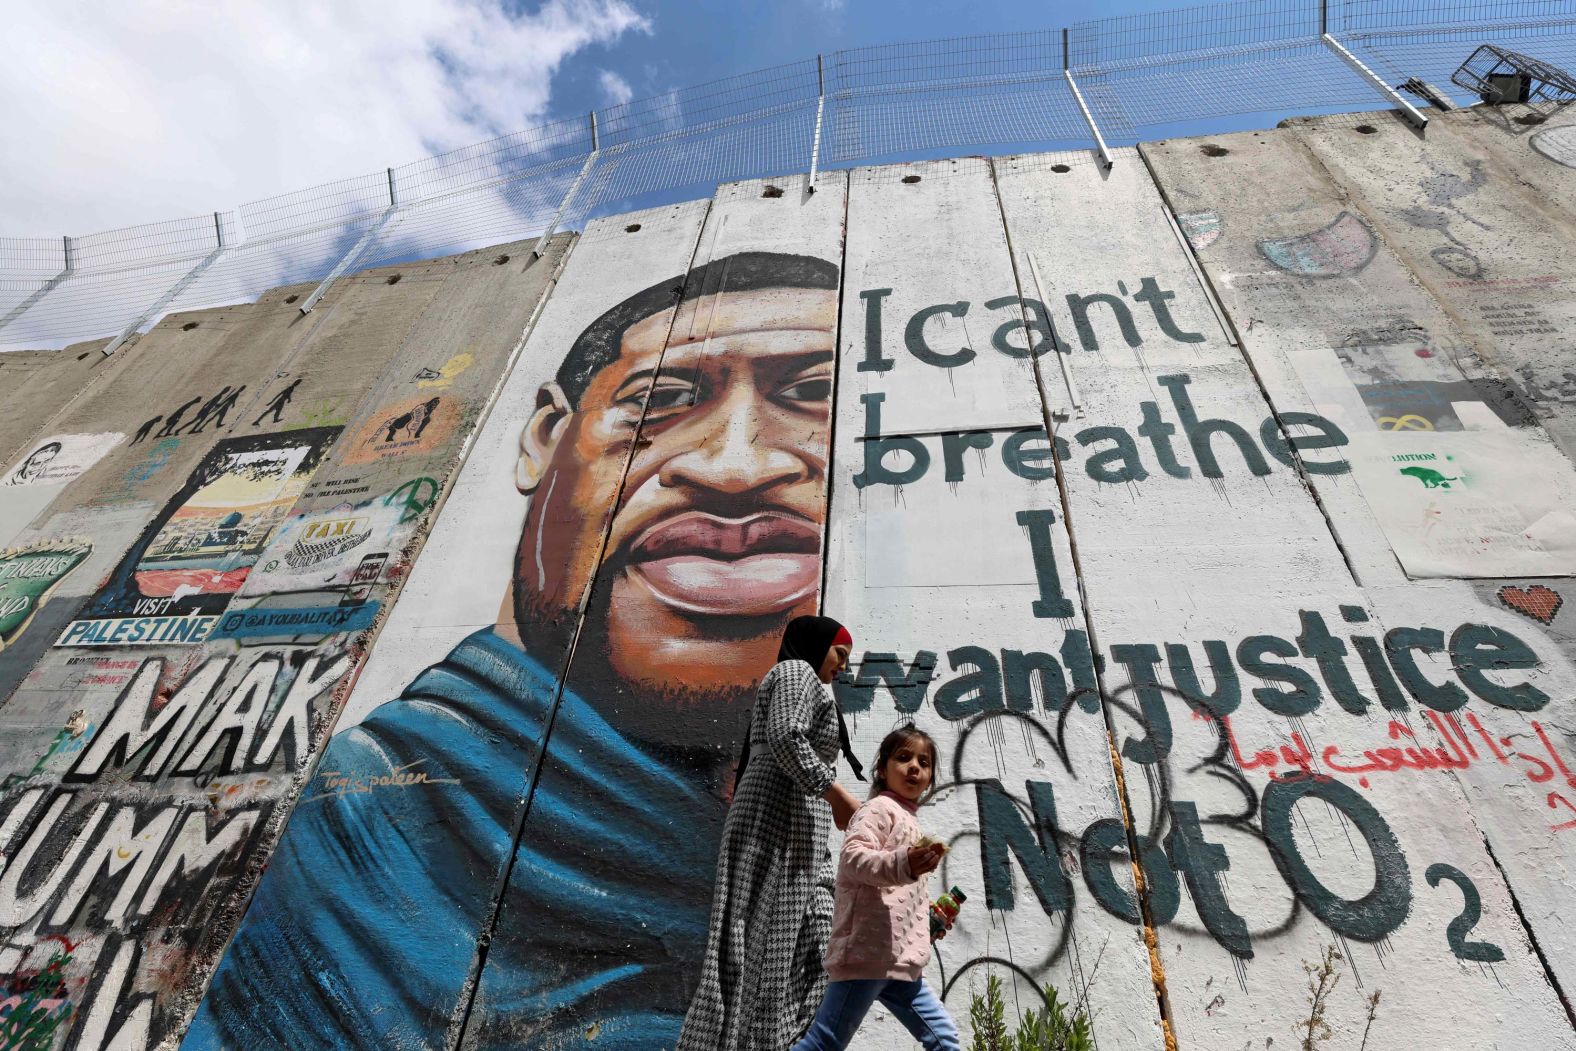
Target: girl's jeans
845,1004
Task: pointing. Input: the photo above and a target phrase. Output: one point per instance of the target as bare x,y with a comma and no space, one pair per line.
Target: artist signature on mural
336,784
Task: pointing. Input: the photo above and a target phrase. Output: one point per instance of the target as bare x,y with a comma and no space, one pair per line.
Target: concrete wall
37,384
216,572
1217,507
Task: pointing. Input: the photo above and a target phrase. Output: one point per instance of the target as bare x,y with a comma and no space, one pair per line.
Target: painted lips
743,567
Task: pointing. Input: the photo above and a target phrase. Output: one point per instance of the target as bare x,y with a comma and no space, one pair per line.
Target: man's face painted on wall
34,465
717,541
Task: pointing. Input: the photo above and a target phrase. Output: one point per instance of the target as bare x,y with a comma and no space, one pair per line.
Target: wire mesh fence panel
873,127
90,305
248,269
1284,81
503,159
718,103
1165,37
327,204
500,210
772,142
1411,16
1140,76
918,99
1434,57
30,268
115,276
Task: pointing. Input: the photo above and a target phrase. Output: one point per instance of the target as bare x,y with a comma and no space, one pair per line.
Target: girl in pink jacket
881,926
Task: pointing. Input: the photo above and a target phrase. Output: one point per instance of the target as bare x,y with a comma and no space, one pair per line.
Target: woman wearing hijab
771,908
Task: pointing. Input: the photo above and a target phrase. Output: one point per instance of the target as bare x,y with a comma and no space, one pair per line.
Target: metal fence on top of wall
1096,85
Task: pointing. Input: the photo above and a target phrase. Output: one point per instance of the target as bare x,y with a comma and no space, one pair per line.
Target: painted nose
729,456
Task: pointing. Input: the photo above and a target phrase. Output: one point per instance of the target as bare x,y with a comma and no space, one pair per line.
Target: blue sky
121,113
695,41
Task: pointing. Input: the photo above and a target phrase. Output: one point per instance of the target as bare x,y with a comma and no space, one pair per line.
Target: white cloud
118,115
615,88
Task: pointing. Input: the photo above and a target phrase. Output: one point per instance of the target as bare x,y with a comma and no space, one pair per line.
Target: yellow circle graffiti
1409,422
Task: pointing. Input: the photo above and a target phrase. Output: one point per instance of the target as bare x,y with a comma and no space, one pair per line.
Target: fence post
359,247
1094,129
44,289
175,290
820,109
574,191
1389,94
1413,115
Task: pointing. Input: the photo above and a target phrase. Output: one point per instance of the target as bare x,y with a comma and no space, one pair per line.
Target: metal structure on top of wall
1108,82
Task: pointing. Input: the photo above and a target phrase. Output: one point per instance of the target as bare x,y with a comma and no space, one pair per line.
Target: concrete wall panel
1259,191
407,832
36,384
1303,273
1536,145
236,718
1492,249
946,543
735,439
1217,765
161,379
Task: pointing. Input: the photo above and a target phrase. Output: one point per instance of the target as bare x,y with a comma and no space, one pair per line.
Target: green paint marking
1430,478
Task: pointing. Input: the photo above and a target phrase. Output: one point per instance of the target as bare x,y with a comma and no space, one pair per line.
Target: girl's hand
923,860
843,805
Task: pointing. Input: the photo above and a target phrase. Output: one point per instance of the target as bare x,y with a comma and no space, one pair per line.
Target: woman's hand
923,860
843,805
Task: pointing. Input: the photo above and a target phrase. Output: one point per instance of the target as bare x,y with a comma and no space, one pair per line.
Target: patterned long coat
771,909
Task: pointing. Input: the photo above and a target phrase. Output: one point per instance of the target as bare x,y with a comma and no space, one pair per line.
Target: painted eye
669,398
813,388
666,397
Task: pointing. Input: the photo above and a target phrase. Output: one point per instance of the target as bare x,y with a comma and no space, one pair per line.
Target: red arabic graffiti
1296,760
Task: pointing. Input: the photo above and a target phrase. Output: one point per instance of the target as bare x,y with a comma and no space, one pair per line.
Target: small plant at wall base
986,1017
1052,1029
1373,1012
1322,980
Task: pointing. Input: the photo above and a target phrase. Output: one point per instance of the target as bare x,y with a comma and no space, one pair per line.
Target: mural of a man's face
718,536
35,464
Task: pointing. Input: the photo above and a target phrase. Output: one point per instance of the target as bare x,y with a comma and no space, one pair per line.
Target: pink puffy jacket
881,924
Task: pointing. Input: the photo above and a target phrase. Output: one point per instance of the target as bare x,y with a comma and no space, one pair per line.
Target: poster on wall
28,574
1462,479
196,554
30,484
414,425
323,549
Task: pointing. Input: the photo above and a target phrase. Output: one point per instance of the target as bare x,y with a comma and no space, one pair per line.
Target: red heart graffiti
1538,602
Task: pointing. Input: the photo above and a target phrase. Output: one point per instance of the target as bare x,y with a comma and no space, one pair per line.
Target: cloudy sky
121,112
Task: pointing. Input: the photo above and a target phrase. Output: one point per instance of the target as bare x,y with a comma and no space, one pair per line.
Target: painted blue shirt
363,931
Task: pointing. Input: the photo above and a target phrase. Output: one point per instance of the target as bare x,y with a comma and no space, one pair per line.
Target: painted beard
651,711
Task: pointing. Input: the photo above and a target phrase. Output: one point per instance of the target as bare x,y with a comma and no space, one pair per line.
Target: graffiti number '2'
1471,911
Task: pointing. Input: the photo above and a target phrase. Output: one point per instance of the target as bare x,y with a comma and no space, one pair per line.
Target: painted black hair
897,739
598,346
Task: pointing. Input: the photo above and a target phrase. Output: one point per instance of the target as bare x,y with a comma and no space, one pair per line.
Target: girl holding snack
881,925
